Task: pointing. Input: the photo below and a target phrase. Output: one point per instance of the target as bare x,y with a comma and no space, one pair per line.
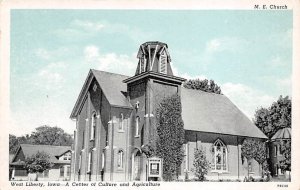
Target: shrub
201,164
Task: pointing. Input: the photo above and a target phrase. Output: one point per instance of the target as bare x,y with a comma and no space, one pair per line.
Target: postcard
149,95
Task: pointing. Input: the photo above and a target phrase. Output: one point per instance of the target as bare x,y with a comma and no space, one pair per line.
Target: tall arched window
137,123
219,156
93,127
120,159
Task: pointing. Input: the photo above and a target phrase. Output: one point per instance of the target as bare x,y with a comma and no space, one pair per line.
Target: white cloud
176,72
86,29
118,63
88,25
276,62
51,76
47,112
246,98
231,44
42,53
47,54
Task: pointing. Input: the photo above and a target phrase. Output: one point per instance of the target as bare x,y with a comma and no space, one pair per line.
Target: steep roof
209,112
284,133
53,151
113,86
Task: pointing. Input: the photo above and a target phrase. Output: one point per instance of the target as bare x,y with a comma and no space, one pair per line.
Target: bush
38,162
201,164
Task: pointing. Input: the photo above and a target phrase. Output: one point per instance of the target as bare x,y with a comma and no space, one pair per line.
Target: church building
115,114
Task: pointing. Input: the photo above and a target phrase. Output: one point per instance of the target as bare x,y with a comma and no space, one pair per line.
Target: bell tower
154,57
153,81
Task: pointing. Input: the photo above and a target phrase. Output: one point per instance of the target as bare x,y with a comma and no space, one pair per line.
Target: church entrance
136,165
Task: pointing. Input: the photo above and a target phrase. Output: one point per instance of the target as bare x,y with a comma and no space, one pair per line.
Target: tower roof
284,133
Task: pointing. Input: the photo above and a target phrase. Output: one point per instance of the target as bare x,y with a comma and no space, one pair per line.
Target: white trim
152,63
149,52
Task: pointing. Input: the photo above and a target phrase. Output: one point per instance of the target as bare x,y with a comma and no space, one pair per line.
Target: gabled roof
53,151
111,85
209,112
284,133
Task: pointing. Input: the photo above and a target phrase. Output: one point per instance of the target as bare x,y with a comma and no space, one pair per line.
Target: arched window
121,125
93,127
219,156
137,123
120,158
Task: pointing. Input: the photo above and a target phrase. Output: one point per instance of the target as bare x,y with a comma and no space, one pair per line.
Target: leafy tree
285,164
204,85
13,143
44,135
170,136
277,116
201,164
38,162
254,149
47,135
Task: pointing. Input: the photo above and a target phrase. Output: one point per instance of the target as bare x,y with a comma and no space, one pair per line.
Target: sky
248,53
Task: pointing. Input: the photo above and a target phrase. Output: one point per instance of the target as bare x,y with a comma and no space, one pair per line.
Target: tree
13,144
204,85
46,135
201,164
277,116
38,162
285,164
254,149
170,136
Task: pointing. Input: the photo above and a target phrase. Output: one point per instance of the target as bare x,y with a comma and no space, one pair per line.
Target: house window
219,156
62,171
275,151
20,172
120,158
163,62
121,125
67,156
46,173
68,171
93,127
137,123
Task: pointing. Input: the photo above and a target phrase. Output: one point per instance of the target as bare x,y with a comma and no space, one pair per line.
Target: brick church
115,113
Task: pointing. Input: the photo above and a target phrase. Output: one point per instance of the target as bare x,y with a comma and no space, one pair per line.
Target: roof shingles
53,151
209,112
